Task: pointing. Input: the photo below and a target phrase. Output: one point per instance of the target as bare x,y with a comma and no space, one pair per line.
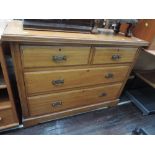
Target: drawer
6,117
49,56
44,81
114,55
55,102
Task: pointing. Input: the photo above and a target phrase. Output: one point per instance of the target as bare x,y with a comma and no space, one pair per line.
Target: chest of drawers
8,113
62,74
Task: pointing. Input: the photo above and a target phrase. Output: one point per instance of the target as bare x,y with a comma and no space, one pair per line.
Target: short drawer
113,55
44,81
48,56
55,102
6,117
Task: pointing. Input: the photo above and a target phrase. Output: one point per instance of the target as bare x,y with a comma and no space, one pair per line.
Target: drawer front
48,56
114,55
55,102
37,82
6,117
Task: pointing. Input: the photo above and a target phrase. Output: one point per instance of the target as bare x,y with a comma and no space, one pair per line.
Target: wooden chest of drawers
61,74
8,114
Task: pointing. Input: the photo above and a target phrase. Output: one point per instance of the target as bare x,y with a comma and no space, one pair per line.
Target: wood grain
43,104
42,82
129,71
104,55
42,56
10,116
7,118
5,104
83,75
145,29
65,113
16,55
15,32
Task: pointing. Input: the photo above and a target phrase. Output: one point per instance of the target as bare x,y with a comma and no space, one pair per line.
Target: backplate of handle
109,75
103,94
116,57
56,104
0,118
58,82
59,58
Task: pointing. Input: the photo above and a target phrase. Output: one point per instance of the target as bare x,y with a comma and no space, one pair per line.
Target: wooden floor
118,120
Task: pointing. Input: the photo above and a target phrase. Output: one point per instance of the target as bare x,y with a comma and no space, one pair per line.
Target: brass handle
58,82
59,58
103,94
109,75
56,104
115,57
0,118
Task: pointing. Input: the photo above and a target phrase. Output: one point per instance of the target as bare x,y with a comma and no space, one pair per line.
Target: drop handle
56,104
58,82
109,75
59,58
103,94
116,57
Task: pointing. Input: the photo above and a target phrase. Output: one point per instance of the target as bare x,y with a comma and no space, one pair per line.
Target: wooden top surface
14,32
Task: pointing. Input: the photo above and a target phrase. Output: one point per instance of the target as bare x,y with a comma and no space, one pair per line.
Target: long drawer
6,117
49,56
44,81
55,102
113,55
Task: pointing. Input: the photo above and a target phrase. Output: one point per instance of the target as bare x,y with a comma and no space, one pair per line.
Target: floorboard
120,120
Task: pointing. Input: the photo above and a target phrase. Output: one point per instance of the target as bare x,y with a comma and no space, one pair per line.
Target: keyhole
59,49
